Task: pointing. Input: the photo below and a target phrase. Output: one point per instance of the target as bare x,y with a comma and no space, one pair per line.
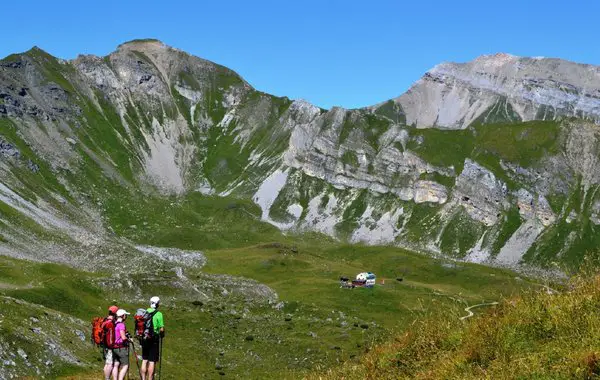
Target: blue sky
345,53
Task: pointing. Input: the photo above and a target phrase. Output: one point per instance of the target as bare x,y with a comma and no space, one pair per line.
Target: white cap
122,312
154,302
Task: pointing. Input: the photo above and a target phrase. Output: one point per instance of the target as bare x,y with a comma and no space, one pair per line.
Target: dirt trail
4,285
470,313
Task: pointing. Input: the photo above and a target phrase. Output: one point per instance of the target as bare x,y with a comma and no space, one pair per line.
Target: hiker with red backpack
151,338
103,336
121,345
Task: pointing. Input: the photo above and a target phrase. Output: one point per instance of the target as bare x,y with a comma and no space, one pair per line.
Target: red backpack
97,331
139,325
108,327
103,332
144,325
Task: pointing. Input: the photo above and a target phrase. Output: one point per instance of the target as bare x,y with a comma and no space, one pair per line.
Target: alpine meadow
448,233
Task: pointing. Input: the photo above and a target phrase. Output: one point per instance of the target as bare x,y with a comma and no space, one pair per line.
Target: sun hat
154,302
113,309
122,312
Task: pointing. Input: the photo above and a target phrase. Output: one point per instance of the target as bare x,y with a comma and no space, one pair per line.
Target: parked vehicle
363,280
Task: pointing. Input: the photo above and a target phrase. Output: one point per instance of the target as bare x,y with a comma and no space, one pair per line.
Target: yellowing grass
538,335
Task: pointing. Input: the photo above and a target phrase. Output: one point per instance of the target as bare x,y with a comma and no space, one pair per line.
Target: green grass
54,286
568,244
303,270
194,221
375,128
519,143
392,111
349,158
460,234
311,275
512,221
534,336
441,147
320,323
423,222
354,211
439,178
369,127
53,70
36,184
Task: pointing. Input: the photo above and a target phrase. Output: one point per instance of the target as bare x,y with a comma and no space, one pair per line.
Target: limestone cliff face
458,165
502,87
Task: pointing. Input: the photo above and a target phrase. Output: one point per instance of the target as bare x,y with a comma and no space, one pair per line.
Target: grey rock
22,353
80,334
8,150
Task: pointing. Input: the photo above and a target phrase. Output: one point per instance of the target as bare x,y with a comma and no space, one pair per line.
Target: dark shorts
150,350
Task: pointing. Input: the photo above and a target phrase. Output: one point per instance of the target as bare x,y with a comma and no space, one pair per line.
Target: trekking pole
128,359
137,363
160,359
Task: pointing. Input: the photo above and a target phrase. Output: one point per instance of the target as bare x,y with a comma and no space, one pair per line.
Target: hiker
121,347
153,334
110,370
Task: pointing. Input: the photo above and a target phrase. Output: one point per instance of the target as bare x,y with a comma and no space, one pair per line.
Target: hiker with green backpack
151,338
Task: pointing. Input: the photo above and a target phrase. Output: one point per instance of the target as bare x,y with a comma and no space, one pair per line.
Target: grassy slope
48,290
523,144
311,276
519,143
534,336
306,280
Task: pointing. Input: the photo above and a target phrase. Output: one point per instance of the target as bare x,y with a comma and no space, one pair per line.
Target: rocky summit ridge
454,95
494,160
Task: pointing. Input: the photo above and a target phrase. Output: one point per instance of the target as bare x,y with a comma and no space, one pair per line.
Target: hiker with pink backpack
121,347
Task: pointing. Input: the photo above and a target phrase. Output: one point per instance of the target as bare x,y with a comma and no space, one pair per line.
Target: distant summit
502,87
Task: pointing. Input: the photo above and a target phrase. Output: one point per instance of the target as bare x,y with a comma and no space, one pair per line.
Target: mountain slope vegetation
542,334
153,171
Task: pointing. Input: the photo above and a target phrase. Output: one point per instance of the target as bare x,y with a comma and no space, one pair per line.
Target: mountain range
492,161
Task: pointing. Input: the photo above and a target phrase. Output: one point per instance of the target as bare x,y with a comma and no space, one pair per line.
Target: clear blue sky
346,53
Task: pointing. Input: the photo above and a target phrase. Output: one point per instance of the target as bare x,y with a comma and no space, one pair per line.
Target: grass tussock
541,334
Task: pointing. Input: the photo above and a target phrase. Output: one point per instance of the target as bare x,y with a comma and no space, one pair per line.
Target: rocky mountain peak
488,62
502,87
143,43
